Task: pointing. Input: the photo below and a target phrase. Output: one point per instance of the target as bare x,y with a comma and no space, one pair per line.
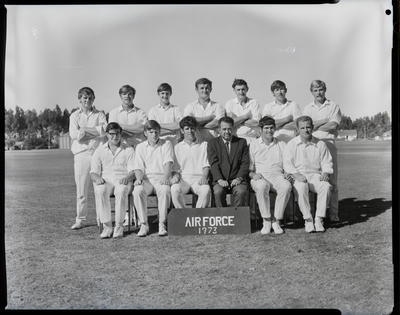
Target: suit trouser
179,190
321,188
240,195
334,201
140,193
103,205
277,183
82,182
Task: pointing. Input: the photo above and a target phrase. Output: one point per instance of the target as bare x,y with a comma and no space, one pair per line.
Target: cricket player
284,112
191,167
266,174
153,167
112,173
205,111
131,118
326,116
87,131
245,112
309,164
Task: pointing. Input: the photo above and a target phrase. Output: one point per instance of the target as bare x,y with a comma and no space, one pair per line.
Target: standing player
326,116
284,112
266,173
244,110
153,166
191,167
308,162
87,131
166,114
204,110
111,172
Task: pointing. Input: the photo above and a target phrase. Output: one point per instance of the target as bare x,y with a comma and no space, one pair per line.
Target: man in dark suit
228,156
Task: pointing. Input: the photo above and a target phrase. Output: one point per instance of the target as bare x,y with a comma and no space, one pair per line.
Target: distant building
387,135
347,135
64,141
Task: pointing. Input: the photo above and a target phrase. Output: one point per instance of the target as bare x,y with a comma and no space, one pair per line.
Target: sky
53,51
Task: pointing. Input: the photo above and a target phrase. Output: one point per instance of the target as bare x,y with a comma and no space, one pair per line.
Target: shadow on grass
351,211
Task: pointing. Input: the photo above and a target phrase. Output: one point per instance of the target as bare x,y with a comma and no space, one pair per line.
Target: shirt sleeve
204,159
288,158
178,114
168,152
95,164
138,161
266,111
296,112
101,127
112,116
336,115
219,111
252,166
73,126
151,115
131,159
228,108
143,117
176,167
188,110
256,111
326,158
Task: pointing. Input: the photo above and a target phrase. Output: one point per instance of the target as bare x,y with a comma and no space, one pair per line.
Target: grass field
49,266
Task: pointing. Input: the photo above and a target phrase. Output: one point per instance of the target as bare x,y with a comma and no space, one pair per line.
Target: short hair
317,83
164,87
304,118
266,120
87,91
225,119
278,84
239,82
152,124
113,126
203,81
188,121
126,88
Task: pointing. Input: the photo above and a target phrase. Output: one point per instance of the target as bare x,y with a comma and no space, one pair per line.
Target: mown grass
349,267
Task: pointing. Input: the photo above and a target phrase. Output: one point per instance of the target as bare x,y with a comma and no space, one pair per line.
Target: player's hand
99,181
236,182
223,183
203,181
174,179
165,181
257,176
325,177
300,178
289,177
81,134
138,182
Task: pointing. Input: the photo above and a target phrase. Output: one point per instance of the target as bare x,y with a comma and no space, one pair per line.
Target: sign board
209,221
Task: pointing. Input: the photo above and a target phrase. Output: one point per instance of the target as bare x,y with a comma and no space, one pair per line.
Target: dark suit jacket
228,167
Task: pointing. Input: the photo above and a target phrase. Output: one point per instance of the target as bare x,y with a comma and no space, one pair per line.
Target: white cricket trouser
334,201
82,182
149,186
321,188
276,183
103,205
179,190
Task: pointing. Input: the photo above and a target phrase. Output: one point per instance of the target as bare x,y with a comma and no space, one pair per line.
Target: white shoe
78,225
277,228
107,232
266,229
162,231
319,226
144,229
309,227
118,231
126,220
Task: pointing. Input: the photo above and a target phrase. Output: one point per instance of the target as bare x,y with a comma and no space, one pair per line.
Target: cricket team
210,150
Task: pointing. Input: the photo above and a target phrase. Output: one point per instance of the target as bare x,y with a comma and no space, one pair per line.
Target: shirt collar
245,104
313,141
326,103
165,108
193,143
274,142
160,142
94,110
282,105
133,109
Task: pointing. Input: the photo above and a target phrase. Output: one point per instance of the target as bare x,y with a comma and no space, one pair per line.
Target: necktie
227,146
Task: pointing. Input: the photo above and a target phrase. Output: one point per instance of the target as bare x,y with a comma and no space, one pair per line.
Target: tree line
39,130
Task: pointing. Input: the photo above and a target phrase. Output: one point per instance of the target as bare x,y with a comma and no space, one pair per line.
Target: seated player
112,172
191,168
153,163
309,164
228,156
266,173
166,114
